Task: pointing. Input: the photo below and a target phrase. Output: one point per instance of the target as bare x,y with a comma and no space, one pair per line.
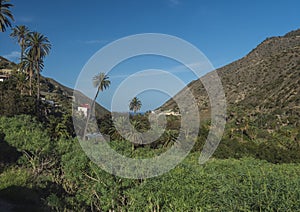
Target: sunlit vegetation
59,176
43,167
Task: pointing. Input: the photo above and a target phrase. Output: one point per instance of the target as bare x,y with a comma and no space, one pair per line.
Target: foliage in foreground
220,185
55,174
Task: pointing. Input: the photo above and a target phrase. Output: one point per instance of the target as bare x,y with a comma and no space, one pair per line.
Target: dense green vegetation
58,176
257,135
43,167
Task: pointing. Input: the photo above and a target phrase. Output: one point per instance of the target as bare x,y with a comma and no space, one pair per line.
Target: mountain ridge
265,80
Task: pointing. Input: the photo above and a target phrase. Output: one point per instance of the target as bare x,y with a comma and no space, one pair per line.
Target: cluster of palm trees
34,48
34,45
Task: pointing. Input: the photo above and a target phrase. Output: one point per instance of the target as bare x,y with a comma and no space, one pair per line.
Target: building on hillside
84,108
166,113
5,74
3,77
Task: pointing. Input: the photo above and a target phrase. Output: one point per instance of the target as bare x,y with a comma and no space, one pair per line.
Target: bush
27,136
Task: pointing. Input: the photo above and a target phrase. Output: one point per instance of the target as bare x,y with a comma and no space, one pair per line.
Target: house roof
85,106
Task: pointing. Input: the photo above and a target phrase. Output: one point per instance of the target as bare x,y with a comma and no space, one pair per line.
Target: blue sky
224,30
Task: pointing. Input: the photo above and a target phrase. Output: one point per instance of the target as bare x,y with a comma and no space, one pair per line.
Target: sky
223,30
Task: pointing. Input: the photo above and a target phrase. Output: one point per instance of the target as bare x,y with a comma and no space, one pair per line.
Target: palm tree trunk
38,90
30,82
22,51
38,86
89,115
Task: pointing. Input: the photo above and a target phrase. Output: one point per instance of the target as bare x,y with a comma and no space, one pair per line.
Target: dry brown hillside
267,80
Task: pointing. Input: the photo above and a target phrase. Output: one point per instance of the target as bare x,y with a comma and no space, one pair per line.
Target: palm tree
5,15
21,33
21,81
135,105
38,47
133,136
101,82
169,136
119,128
28,66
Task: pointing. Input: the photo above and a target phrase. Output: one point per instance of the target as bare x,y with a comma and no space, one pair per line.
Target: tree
21,33
135,105
169,136
38,47
101,82
5,15
21,81
28,65
119,128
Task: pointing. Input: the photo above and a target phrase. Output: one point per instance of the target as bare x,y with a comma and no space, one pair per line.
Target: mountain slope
267,80
6,64
53,90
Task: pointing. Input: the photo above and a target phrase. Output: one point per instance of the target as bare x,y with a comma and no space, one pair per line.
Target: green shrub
27,135
14,177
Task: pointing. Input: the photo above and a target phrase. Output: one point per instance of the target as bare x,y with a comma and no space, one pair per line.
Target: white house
84,109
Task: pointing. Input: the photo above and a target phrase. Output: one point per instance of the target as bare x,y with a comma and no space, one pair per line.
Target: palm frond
5,15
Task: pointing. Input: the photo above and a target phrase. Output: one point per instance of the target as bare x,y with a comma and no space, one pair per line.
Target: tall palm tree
5,15
38,47
135,105
101,82
28,66
21,33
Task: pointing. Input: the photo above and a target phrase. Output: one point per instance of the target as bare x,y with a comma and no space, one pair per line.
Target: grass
221,185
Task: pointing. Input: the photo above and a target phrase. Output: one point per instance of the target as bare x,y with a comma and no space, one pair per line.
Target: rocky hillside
267,80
